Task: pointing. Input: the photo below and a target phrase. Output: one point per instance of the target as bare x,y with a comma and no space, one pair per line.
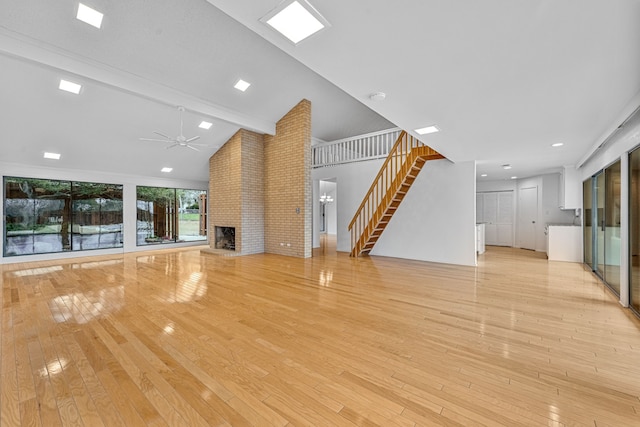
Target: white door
495,209
527,217
504,222
489,217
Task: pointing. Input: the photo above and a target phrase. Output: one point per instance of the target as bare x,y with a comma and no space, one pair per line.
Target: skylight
427,130
205,125
89,16
241,85
54,156
68,86
296,20
166,170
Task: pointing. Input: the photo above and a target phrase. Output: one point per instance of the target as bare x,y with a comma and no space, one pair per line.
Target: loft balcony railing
371,146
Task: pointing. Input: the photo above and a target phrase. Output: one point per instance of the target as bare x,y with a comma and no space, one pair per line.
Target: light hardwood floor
183,339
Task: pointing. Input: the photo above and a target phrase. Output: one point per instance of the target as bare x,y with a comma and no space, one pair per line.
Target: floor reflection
83,307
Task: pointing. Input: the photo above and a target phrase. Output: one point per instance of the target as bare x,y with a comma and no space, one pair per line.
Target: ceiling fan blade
199,145
193,148
163,135
153,139
171,146
192,139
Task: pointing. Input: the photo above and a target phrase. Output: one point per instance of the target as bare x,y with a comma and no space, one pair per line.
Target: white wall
435,222
551,212
129,183
502,185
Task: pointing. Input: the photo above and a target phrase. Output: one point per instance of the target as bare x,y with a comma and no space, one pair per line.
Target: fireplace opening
226,238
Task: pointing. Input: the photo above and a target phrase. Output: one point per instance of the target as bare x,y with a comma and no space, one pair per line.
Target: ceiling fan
178,141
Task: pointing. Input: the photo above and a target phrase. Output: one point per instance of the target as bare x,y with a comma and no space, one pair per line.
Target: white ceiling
502,79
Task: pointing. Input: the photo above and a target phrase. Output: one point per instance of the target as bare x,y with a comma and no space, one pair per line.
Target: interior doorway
328,215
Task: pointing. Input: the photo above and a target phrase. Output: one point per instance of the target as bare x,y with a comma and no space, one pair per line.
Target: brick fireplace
260,185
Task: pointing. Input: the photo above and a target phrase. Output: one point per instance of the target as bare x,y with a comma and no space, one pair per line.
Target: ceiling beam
19,46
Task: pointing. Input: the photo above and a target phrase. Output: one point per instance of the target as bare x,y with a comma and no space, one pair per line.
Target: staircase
398,172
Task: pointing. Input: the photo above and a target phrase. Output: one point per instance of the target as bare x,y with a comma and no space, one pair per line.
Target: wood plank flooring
178,338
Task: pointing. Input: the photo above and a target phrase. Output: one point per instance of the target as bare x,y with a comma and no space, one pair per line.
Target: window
168,215
46,216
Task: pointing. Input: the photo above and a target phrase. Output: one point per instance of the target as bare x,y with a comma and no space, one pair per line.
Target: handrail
378,176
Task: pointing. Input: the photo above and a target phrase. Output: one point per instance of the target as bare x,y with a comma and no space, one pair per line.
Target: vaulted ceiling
502,79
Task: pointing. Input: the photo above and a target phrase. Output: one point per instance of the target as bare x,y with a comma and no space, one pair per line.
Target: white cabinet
570,188
564,243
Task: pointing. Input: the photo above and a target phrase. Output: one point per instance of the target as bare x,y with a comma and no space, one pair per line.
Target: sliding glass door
634,230
602,198
612,201
587,230
598,222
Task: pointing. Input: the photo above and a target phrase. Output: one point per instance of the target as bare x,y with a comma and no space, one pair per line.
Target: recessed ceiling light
296,20
514,177
69,86
54,156
242,85
483,175
205,125
166,170
557,144
427,130
506,167
90,16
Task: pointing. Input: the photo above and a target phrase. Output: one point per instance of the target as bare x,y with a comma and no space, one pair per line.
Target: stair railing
382,190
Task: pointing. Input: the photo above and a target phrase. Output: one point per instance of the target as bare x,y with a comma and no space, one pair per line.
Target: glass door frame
597,222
